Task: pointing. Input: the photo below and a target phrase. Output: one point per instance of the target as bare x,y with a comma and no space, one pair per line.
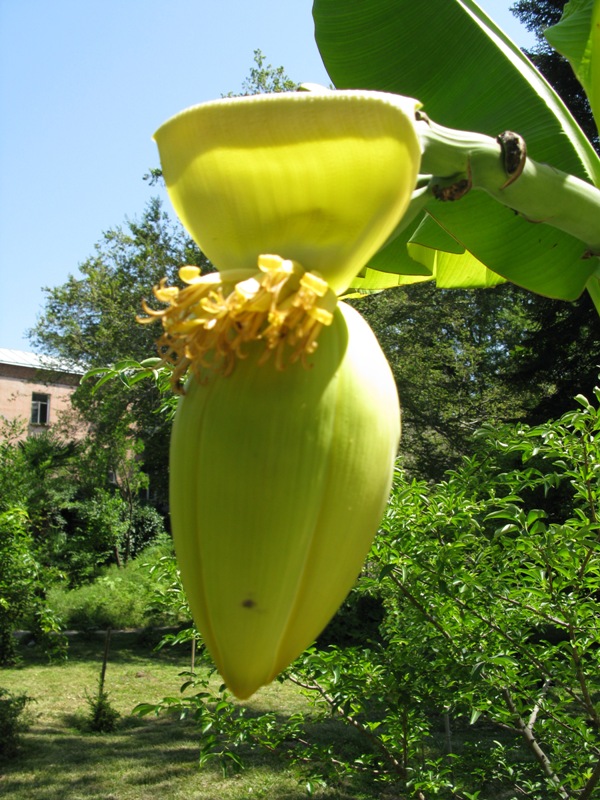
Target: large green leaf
577,37
470,76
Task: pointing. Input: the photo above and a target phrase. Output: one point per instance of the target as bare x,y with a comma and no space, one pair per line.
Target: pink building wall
22,377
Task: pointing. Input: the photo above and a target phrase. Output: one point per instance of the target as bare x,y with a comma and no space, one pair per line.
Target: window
40,409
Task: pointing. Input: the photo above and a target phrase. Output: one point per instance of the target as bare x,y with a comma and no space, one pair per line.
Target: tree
450,351
263,79
91,320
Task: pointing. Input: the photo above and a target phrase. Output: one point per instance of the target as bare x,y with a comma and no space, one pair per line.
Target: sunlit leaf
577,37
469,75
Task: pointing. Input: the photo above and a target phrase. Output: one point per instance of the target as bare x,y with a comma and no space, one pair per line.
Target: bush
148,529
120,598
18,579
96,527
103,717
492,599
11,721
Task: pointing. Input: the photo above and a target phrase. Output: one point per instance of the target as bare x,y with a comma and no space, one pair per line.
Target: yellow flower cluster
207,324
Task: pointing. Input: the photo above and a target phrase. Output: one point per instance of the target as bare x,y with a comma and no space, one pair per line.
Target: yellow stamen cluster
208,322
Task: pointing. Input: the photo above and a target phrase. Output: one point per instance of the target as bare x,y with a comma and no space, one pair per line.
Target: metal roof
21,358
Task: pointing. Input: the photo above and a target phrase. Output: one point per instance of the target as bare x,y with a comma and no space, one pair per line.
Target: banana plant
485,107
286,431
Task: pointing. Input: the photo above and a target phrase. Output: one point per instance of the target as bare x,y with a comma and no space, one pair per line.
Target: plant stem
315,686
104,661
586,792
538,192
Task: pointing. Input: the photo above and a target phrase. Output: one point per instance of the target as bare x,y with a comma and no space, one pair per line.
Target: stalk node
514,155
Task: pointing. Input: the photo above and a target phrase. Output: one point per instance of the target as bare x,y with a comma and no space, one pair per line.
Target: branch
590,499
536,709
581,678
315,686
519,646
586,792
561,623
531,742
421,608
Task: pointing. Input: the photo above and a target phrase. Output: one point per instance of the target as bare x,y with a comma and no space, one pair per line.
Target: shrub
119,598
11,721
148,529
103,717
492,597
18,579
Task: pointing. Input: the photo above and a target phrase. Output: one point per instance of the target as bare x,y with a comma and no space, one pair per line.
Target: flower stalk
540,193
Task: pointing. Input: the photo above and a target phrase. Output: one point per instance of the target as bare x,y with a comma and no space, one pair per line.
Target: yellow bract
278,482
322,179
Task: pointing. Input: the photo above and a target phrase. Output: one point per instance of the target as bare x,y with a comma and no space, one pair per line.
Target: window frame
40,409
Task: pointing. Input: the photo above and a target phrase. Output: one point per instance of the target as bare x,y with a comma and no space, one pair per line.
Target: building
36,390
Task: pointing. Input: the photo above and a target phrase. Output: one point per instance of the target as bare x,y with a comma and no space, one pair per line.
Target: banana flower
288,423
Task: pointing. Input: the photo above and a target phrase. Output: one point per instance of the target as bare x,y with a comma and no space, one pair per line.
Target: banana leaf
577,38
469,75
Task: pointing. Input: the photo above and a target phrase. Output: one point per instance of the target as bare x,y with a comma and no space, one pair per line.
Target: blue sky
83,85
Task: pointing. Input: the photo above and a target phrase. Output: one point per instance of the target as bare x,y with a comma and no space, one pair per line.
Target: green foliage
451,353
491,583
90,320
484,678
105,528
11,464
119,598
537,15
38,473
167,599
77,519
97,526
103,717
265,78
147,528
11,721
19,574
46,628
230,732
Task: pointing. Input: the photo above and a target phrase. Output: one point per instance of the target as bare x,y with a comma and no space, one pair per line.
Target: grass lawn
145,758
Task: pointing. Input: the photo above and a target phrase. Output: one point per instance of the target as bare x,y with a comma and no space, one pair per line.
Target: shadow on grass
126,647
54,764
157,757
153,758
